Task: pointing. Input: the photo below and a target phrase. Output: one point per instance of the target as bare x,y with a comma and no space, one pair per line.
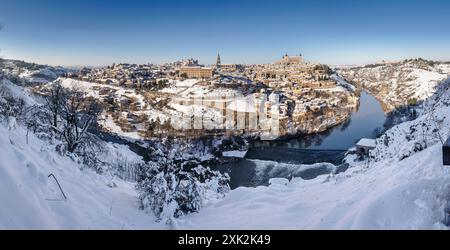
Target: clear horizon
80,33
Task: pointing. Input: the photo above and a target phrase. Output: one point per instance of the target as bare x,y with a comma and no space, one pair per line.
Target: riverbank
366,122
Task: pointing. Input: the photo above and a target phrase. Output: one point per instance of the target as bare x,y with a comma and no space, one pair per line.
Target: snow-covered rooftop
235,153
447,143
364,142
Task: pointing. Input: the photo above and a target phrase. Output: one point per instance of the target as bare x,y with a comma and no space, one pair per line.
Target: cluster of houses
292,72
10,69
147,75
123,74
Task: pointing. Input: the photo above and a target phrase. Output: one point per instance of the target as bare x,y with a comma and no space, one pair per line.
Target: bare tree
78,114
1,61
1,28
69,114
54,103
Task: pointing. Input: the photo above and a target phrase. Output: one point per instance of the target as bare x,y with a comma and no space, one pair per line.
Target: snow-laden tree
10,106
173,188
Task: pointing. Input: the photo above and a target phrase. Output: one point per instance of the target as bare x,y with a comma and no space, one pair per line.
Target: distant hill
400,83
26,73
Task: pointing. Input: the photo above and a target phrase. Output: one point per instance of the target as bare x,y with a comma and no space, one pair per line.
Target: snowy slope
399,83
41,76
88,88
31,200
411,194
17,92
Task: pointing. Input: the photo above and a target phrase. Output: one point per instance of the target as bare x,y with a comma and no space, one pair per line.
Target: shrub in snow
414,148
9,105
89,153
175,188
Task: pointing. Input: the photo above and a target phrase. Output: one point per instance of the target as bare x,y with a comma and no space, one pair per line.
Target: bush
412,102
9,105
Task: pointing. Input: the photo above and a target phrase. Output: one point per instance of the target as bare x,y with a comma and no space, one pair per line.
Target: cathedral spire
218,61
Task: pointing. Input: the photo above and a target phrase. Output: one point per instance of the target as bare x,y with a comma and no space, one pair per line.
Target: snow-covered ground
17,92
32,200
189,88
41,76
88,88
399,83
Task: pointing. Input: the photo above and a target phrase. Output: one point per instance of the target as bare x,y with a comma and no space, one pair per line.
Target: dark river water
292,157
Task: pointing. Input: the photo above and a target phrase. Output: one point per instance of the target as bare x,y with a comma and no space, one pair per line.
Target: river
292,157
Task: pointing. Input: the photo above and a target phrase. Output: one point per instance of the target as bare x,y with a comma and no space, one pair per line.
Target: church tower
218,63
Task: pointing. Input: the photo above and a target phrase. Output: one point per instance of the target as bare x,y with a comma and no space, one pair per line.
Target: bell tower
218,63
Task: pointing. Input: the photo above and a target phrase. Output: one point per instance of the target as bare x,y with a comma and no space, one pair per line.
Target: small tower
218,63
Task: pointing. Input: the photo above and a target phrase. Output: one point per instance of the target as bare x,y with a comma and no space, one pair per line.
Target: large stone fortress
288,60
190,68
292,72
198,72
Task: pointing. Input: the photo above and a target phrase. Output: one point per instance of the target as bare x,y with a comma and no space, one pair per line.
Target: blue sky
82,32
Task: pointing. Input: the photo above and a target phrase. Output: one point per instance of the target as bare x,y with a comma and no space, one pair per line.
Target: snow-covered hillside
41,76
399,84
30,73
32,200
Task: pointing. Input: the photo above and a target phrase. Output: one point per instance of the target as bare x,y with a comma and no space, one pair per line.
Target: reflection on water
362,124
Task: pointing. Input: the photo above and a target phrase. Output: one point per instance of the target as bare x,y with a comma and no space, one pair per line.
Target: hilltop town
187,99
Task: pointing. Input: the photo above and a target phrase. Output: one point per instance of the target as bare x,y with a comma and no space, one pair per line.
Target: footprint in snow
31,168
